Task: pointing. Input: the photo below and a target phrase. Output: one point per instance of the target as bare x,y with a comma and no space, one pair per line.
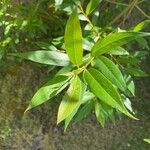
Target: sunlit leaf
73,39
111,71
141,25
100,113
86,97
49,90
114,40
104,90
71,99
147,140
130,84
91,6
118,51
45,57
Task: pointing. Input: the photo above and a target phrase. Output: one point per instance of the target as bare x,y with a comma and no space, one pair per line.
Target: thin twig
144,14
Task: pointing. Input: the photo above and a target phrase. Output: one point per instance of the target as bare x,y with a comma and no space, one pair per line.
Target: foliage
97,68
147,140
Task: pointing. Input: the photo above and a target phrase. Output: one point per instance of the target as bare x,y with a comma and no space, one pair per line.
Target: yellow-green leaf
141,25
91,6
71,99
73,39
100,113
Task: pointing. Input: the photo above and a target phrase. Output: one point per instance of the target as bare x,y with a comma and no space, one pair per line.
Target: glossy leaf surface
45,57
104,90
92,5
111,71
73,39
71,99
114,40
49,90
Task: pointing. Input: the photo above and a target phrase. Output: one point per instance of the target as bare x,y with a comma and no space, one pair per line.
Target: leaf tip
28,108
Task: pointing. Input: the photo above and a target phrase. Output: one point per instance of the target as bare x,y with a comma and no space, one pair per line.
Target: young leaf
118,51
104,90
91,6
114,40
147,140
100,114
45,57
73,39
141,25
86,97
71,99
111,71
49,90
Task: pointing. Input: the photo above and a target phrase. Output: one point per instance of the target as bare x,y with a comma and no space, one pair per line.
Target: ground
37,130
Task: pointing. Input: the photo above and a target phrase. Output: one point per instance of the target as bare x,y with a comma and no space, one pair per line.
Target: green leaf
118,51
136,72
65,70
86,97
73,39
147,140
130,84
141,25
111,71
49,90
114,40
45,57
143,42
84,111
104,90
91,6
100,114
128,104
71,99
109,111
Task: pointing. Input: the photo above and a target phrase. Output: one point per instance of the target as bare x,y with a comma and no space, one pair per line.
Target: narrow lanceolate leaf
73,39
118,51
86,97
100,113
136,72
91,6
104,90
114,40
141,25
49,90
45,57
130,84
111,72
84,111
71,99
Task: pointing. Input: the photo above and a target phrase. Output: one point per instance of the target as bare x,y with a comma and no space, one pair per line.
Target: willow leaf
73,39
49,90
45,57
71,99
104,90
114,40
111,71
